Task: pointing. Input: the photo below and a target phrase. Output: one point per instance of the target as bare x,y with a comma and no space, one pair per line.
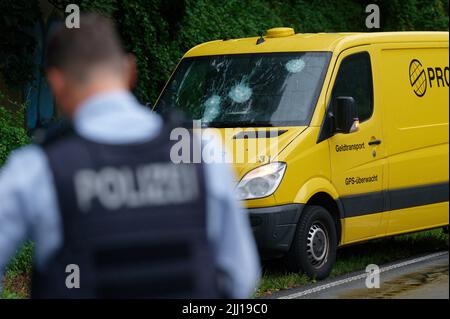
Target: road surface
422,277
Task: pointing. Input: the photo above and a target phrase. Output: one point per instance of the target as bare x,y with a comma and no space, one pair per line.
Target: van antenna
260,39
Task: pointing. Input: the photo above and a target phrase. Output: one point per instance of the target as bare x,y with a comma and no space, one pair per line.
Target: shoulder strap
53,133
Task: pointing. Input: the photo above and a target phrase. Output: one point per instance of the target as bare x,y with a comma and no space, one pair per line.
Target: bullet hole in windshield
295,65
212,108
240,93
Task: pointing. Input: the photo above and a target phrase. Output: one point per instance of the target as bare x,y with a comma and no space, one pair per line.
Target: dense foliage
12,136
158,32
12,132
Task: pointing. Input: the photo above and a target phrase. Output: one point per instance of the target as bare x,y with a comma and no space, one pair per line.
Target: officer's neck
94,88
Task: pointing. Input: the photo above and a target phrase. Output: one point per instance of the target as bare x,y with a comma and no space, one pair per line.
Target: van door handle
375,142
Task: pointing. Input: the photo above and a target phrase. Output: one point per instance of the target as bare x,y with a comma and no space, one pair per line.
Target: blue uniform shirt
28,203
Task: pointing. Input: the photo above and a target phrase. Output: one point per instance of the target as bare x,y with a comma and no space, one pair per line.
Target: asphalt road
421,277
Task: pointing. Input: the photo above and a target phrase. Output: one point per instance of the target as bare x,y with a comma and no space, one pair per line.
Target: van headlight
261,181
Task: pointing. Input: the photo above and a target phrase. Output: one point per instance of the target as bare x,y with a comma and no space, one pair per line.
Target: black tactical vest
134,223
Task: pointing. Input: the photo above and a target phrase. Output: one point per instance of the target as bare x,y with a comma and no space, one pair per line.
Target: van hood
248,148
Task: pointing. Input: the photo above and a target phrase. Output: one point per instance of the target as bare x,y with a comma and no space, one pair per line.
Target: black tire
304,255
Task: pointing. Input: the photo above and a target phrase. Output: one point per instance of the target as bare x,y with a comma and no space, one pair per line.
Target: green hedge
158,32
12,132
12,136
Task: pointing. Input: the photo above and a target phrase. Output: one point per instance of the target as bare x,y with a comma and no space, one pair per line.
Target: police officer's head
85,61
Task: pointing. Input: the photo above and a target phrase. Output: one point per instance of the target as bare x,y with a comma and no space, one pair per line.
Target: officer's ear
54,80
57,82
130,70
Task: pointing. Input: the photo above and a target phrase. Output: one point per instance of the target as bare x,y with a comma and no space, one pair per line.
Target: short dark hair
77,50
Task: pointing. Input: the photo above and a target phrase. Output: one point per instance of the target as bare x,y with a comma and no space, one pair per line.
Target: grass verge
17,278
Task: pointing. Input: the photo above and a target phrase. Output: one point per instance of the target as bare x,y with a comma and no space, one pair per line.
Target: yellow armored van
335,138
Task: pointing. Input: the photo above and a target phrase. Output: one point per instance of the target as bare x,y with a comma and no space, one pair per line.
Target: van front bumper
274,228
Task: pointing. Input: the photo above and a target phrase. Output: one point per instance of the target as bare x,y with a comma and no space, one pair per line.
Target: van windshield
273,89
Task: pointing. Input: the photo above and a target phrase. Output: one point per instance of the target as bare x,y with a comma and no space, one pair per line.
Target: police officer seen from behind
104,196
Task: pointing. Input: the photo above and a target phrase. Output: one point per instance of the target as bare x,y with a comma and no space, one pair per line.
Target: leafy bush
423,15
13,135
12,131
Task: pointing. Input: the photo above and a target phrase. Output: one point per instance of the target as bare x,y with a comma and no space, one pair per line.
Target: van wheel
313,249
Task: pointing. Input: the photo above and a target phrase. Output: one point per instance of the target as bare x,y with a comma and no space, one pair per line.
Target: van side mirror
346,115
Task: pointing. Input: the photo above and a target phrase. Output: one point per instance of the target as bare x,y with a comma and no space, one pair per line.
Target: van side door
358,158
415,84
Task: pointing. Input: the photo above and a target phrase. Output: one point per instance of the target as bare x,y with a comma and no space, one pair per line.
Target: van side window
355,79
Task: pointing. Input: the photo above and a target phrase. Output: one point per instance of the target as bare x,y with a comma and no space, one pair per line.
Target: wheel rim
317,245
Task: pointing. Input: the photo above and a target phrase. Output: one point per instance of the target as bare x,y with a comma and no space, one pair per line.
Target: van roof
312,42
